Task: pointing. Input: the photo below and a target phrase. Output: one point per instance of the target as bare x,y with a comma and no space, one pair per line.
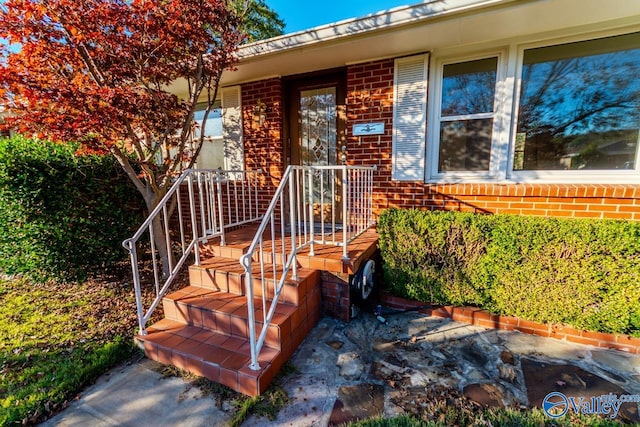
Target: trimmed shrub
62,216
430,257
585,273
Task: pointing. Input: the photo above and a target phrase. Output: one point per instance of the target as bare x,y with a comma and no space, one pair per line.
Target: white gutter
384,20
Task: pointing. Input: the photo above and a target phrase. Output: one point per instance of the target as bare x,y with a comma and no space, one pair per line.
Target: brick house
522,107
526,107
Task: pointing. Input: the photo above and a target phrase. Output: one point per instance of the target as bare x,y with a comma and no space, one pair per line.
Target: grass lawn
55,339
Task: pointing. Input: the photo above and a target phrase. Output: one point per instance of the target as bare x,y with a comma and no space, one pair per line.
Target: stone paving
390,366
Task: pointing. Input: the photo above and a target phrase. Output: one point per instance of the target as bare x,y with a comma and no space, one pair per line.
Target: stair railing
326,205
200,205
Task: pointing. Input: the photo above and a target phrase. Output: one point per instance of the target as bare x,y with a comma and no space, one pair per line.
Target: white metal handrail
217,200
328,205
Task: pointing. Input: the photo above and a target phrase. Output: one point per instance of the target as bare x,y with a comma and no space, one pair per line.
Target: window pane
213,128
465,145
211,155
580,106
469,87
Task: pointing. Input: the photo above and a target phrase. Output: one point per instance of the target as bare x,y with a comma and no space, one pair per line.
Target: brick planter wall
479,317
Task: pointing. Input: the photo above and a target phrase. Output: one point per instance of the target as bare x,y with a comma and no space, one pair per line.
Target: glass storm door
316,133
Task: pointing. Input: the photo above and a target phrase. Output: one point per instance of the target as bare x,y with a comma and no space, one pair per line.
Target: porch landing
205,329
326,257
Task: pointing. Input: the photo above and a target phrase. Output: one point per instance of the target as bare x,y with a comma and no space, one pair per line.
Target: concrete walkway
364,368
139,395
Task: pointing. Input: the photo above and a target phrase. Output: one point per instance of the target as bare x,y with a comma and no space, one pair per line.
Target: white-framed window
213,127
466,117
223,145
561,110
212,151
577,114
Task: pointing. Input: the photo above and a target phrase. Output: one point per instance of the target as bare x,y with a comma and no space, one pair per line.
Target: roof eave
352,28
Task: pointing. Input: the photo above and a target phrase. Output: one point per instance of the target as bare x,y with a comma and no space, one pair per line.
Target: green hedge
62,216
585,273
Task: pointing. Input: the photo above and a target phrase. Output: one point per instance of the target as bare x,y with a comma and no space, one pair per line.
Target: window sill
574,178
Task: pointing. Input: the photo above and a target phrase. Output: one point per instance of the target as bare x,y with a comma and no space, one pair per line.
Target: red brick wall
370,98
336,298
263,145
559,200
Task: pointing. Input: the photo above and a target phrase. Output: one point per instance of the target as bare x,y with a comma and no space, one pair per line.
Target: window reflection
580,106
466,122
469,87
212,154
467,147
213,127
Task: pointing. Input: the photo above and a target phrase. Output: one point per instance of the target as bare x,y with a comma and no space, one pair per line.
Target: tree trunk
152,196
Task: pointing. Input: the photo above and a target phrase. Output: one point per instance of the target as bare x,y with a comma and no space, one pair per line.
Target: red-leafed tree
98,71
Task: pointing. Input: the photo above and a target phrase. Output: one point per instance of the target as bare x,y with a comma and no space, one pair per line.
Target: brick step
205,329
227,314
218,357
326,257
230,250
206,332
227,275
237,249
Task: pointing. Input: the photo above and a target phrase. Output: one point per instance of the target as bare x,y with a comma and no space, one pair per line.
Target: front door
316,135
316,125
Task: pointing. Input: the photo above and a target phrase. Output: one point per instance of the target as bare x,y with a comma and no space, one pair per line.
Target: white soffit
423,27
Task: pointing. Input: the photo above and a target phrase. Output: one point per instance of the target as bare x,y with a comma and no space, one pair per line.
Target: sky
302,15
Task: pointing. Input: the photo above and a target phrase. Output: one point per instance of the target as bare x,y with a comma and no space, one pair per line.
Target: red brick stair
205,329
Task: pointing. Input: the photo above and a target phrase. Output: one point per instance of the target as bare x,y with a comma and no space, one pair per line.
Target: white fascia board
436,26
384,20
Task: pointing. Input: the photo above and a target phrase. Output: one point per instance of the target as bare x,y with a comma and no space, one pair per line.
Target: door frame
292,87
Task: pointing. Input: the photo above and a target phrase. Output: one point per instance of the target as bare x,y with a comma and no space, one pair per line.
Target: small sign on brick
364,129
